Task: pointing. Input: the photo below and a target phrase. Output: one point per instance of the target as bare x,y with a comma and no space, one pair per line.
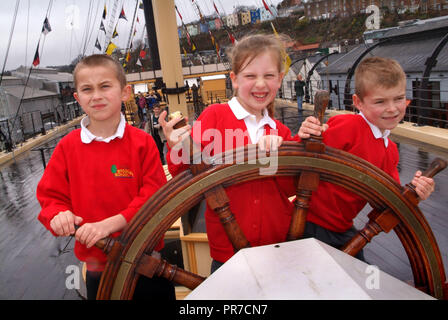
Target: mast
164,17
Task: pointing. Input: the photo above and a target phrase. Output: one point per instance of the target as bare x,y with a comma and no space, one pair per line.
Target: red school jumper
334,207
99,180
261,208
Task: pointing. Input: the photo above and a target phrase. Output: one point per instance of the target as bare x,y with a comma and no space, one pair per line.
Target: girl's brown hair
374,71
101,60
249,47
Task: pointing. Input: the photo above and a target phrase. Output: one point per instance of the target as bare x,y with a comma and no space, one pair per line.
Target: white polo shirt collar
254,128
377,132
87,136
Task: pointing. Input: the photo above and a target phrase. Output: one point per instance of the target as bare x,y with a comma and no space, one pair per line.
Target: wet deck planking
30,267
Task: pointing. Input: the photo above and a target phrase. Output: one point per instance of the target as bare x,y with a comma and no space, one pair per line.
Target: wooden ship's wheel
394,208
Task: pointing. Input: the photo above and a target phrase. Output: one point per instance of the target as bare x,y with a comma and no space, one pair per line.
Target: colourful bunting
267,7
46,28
142,53
110,48
36,59
122,15
97,44
102,26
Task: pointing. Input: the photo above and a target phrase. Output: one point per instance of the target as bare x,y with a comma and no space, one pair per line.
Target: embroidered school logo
121,173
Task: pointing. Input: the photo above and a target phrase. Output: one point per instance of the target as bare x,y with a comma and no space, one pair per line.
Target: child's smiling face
257,83
383,107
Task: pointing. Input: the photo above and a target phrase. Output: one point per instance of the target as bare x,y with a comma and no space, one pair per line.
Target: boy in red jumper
380,96
99,176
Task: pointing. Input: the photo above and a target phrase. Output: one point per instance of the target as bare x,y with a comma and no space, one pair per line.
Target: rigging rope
27,32
26,82
10,39
86,35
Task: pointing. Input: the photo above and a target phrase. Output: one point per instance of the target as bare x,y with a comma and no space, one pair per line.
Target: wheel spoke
151,266
219,202
308,182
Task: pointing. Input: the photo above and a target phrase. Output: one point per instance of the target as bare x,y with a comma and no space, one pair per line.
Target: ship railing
428,106
28,125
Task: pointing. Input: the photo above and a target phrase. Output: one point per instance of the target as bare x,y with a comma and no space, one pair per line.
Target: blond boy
380,96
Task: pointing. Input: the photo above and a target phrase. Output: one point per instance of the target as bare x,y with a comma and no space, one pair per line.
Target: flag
104,12
115,34
110,48
177,10
97,44
128,56
217,51
185,52
216,9
46,28
142,53
102,26
141,6
267,7
231,37
138,21
188,38
285,56
122,15
139,63
135,31
36,59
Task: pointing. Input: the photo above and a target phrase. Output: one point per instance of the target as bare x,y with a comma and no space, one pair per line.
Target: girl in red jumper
261,208
99,176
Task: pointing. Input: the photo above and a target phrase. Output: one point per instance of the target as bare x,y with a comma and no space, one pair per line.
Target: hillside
311,31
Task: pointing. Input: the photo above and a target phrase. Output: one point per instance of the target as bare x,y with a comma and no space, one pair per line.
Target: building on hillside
308,48
265,15
412,46
291,11
324,9
203,27
245,17
211,24
255,16
232,20
218,23
181,32
192,29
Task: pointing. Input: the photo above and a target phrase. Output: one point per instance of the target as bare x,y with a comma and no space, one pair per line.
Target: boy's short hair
104,60
377,71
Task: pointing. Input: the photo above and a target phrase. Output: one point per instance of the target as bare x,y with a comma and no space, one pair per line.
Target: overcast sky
70,19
